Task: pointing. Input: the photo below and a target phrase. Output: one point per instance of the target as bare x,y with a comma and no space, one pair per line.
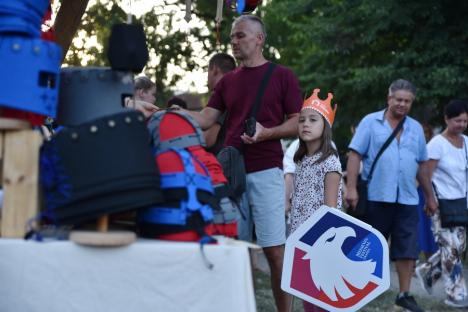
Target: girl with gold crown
318,173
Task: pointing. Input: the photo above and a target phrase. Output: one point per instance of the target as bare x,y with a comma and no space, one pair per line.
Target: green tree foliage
356,48
206,10
167,43
96,22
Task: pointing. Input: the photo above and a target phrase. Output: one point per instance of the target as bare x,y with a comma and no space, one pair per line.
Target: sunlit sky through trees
194,81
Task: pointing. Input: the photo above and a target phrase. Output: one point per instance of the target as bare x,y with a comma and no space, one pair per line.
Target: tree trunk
67,22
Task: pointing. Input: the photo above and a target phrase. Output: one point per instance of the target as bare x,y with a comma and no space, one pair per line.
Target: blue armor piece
37,6
15,25
22,17
29,74
192,181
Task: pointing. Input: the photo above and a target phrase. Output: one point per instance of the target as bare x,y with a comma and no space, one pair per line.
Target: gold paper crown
321,106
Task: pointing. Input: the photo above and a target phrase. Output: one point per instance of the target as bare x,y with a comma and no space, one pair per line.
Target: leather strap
385,145
261,89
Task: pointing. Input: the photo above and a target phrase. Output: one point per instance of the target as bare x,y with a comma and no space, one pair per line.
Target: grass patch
383,303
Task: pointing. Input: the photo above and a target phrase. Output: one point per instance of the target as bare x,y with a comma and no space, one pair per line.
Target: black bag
361,185
232,161
453,212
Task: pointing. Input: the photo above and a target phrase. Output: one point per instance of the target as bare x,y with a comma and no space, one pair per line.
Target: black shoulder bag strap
384,147
251,121
261,89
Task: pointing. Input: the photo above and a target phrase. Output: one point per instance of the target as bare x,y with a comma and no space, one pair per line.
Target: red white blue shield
336,262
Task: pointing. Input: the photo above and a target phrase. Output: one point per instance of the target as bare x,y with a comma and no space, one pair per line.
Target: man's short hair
223,61
251,18
143,83
401,84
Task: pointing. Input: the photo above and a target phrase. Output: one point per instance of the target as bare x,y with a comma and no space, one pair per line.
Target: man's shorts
400,223
263,205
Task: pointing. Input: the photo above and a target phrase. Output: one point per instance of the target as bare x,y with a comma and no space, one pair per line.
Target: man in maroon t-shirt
276,118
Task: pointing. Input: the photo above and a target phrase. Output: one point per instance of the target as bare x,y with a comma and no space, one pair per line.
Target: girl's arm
332,187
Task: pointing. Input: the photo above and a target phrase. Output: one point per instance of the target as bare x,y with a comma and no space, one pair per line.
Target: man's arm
206,118
424,177
352,172
211,134
286,129
146,108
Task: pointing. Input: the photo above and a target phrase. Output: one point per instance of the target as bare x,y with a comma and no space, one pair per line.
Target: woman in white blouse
448,162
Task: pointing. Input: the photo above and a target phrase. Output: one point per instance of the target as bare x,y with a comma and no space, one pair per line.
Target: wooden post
103,224
67,22
20,180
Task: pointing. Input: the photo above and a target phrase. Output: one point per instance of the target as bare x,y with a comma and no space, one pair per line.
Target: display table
145,276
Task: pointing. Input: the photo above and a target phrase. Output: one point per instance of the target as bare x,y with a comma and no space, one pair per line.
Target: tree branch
67,22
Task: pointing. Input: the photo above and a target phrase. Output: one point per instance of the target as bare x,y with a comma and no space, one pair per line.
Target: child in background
317,178
144,97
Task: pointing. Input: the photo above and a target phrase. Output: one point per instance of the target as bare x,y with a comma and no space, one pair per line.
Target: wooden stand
19,172
101,237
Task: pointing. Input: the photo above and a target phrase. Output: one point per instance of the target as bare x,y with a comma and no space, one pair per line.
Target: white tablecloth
145,276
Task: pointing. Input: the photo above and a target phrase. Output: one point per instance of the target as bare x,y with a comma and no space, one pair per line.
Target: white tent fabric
145,276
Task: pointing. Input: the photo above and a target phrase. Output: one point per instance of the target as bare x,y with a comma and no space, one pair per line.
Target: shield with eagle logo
336,262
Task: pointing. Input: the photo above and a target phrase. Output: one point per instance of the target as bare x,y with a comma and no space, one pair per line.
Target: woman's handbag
361,186
453,212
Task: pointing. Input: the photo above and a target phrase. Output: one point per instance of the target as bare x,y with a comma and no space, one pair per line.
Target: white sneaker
463,303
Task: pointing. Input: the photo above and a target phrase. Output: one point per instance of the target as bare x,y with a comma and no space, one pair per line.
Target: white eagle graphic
330,275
